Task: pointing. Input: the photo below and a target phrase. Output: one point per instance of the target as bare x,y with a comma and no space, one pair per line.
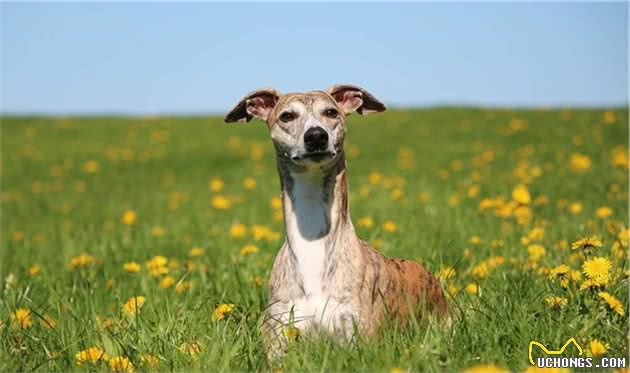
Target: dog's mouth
314,156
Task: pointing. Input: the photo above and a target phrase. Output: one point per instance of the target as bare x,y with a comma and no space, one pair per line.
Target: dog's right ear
256,104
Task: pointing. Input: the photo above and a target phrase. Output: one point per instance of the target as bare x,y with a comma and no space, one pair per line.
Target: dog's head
307,129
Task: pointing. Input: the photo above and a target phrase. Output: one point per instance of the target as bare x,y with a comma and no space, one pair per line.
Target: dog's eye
287,116
331,113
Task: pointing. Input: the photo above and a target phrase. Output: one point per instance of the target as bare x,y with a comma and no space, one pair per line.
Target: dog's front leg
278,328
275,341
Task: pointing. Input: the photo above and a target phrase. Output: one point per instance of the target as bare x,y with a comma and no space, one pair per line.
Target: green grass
160,168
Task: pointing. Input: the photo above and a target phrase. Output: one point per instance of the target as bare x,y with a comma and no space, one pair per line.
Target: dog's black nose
315,138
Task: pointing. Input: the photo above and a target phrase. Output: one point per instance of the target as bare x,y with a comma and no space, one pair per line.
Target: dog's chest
319,304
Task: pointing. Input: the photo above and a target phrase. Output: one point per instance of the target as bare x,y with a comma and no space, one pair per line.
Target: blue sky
203,57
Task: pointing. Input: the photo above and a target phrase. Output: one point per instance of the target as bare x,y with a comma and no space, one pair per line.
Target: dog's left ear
352,98
256,104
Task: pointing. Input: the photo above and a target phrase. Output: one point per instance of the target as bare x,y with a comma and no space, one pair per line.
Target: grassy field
183,213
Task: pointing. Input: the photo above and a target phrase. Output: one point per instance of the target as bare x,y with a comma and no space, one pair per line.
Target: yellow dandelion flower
191,348
157,231
261,232
604,212
619,157
487,203
521,195
481,270
453,200
215,184
563,274
22,318
398,370
257,152
167,282
238,230
446,273
541,200
597,269
222,311
157,266
485,368
424,197
183,286
495,261
389,226
91,167
593,283
90,355
17,236
473,191
83,260
195,252
575,275
475,240
258,281
536,234
580,162
556,302
120,364
34,270
559,271
614,303
496,243
597,347
397,194
523,215
104,322
586,243
129,217
472,288
291,332
609,117
575,208
249,250
562,244
220,202
377,243
133,305
149,359
131,267
536,252
375,177
249,183
366,222
276,203
533,369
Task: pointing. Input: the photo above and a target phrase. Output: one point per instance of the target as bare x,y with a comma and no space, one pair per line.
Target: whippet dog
324,277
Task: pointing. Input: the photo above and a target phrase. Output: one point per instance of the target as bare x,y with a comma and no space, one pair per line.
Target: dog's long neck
316,216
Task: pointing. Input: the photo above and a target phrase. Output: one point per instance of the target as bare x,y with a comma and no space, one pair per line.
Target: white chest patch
308,224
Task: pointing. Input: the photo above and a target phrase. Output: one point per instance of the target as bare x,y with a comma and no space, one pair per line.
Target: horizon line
219,113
